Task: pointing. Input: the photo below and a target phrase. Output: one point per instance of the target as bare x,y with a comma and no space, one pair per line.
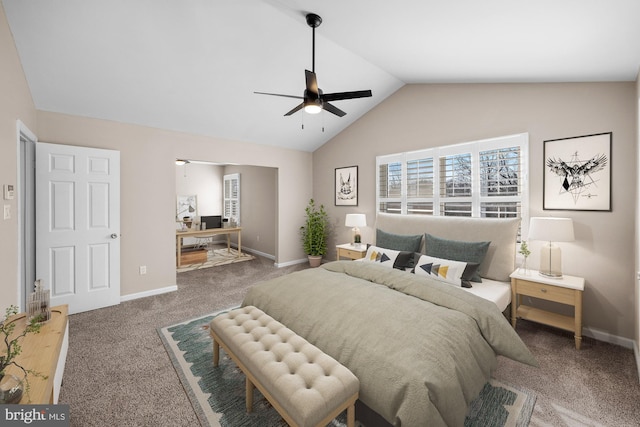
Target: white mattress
498,292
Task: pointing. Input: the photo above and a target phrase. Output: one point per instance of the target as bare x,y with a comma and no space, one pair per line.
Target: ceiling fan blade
295,109
333,109
346,95
279,94
312,82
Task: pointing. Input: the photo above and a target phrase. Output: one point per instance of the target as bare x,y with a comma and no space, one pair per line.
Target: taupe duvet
421,349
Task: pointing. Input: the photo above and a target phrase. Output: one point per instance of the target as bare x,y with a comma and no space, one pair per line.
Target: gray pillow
398,242
469,252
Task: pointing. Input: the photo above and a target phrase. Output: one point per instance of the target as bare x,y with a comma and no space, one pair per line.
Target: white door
78,225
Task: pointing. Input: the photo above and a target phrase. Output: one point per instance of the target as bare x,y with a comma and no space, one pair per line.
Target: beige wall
204,181
15,104
148,185
420,116
258,210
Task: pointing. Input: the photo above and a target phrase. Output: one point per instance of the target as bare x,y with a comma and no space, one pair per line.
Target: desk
205,233
45,353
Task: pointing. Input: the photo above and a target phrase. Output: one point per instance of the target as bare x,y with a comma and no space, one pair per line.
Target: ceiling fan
314,100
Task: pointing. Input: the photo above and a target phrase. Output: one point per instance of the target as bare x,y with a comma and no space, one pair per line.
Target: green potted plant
315,232
11,386
525,252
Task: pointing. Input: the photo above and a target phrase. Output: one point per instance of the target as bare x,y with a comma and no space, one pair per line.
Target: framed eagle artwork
577,173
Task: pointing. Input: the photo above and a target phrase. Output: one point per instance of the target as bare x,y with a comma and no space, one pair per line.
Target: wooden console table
45,353
206,233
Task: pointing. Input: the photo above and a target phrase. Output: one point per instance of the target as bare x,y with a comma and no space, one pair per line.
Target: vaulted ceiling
193,65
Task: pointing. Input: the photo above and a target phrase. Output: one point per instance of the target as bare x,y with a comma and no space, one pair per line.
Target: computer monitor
212,221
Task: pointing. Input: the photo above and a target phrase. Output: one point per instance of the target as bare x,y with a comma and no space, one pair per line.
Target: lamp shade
551,229
355,220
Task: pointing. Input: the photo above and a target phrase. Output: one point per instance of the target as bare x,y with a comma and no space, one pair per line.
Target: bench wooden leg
351,416
249,395
216,353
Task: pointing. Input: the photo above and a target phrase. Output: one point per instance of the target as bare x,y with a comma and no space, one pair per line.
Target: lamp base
550,261
551,275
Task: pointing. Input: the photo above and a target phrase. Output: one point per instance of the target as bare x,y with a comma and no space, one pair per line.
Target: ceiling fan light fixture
180,162
313,108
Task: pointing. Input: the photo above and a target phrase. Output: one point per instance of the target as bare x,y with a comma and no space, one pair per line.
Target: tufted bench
306,386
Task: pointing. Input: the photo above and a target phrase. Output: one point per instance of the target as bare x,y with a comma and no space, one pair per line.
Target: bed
422,348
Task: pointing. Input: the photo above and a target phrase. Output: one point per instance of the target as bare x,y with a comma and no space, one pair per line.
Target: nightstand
566,290
350,251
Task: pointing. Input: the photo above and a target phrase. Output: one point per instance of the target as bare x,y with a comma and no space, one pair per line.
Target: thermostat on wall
8,191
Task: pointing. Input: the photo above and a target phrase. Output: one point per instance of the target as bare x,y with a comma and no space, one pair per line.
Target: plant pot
11,389
315,260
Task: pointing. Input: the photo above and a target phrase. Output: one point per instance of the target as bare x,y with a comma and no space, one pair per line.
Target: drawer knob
543,290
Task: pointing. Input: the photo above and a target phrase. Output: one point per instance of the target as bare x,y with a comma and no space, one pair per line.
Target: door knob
114,236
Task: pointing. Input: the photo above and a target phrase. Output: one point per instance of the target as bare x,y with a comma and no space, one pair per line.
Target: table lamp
355,221
550,230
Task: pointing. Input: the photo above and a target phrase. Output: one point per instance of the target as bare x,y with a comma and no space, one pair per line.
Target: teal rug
217,395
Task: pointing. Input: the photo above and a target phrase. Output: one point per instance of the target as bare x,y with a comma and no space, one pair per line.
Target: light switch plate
7,211
9,191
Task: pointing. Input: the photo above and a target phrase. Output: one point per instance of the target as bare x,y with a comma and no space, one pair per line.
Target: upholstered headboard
499,262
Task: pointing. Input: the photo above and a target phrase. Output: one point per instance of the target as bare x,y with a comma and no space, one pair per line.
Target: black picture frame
346,186
577,173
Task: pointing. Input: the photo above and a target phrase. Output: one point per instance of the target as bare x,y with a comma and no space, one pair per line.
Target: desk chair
205,242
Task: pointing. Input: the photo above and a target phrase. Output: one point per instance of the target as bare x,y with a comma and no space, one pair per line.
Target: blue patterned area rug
217,395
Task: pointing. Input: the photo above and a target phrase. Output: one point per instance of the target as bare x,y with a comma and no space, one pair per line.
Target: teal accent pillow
469,252
398,242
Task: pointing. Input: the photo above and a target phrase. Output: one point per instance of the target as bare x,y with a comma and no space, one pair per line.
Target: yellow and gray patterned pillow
441,269
386,257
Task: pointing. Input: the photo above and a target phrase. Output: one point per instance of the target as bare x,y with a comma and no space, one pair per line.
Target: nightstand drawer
350,251
546,292
347,253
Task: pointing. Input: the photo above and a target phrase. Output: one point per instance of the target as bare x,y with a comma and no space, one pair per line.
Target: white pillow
441,269
386,257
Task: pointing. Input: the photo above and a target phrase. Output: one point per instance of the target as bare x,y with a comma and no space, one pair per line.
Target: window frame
476,198
229,199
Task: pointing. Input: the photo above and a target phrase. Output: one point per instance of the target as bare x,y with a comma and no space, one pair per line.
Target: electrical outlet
7,211
258,238
143,269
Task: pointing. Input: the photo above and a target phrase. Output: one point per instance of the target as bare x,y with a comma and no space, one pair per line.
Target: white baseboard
255,252
607,337
150,293
288,263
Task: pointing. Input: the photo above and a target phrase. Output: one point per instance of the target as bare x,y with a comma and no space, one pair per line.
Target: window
232,197
484,179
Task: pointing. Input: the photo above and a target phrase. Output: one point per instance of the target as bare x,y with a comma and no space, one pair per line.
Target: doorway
258,199
26,213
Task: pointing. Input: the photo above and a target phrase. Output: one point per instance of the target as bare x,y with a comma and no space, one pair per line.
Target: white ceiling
193,65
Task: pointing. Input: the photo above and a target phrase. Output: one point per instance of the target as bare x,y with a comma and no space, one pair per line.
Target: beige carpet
218,257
